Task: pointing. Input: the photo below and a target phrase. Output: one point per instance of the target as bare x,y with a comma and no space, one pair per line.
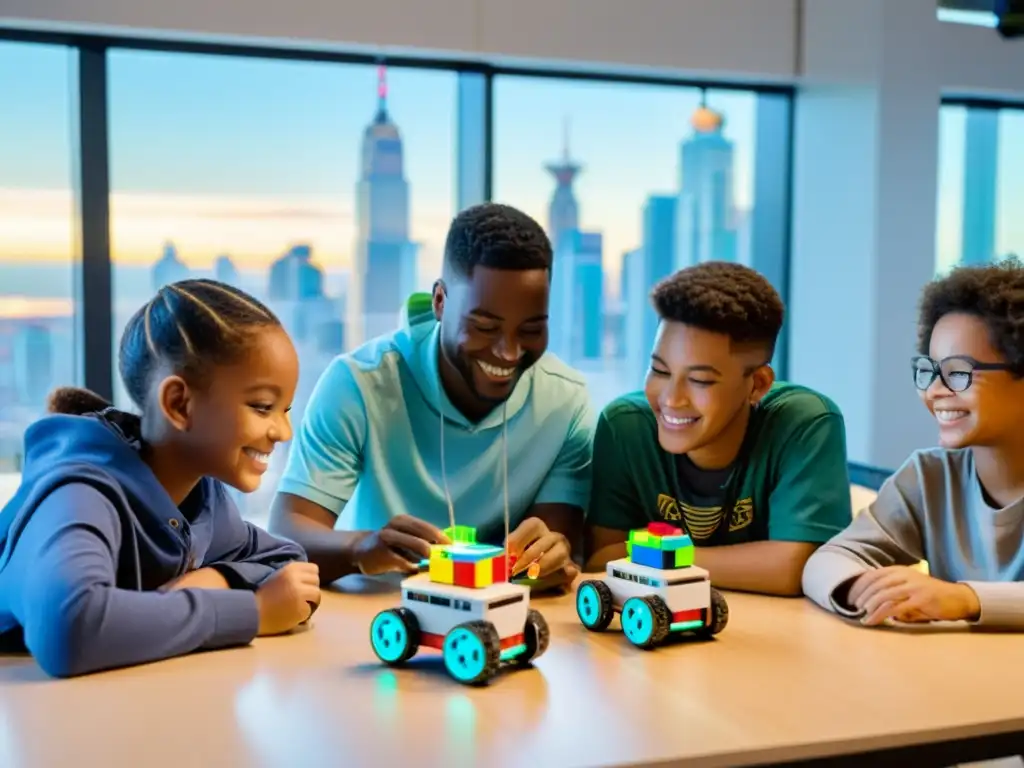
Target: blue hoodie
91,536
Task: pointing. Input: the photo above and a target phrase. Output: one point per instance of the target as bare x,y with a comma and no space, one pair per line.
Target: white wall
864,215
744,38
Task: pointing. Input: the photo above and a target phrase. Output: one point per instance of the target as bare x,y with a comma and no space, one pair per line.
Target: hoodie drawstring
504,461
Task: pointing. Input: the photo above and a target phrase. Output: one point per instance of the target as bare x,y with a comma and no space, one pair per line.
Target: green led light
461,534
513,651
682,626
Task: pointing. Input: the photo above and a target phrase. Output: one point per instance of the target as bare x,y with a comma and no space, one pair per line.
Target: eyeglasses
956,372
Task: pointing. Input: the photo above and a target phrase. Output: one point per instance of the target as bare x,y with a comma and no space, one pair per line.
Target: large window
38,247
981,149
633,182
324,184
323,189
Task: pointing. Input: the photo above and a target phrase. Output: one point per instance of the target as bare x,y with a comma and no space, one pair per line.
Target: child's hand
286,599
907,595
202,578
532,542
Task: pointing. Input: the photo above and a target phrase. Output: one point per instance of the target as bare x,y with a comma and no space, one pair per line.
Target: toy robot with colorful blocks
465,607
656,590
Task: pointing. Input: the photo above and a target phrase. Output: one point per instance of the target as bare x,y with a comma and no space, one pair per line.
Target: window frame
474,156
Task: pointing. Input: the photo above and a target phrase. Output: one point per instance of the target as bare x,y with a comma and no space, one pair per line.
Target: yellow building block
484,575
442,569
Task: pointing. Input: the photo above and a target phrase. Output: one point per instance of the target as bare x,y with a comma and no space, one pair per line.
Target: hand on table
288,598
907,595
398,546
201,578
532,542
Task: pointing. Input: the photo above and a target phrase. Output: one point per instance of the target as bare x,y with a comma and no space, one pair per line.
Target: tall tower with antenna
706,216
564,209
384,266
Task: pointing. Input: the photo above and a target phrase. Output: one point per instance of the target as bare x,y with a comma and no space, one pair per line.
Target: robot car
463,606
656,590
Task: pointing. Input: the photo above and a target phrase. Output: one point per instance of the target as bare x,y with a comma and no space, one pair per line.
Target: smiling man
427,422
752,469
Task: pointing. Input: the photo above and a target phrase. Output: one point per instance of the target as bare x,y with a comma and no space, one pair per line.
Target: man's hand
532,542
907,595
202,578
398,546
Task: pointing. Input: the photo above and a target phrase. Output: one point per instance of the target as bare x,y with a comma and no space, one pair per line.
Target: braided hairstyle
191,327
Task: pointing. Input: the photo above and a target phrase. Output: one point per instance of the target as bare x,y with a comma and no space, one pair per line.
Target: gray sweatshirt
932,509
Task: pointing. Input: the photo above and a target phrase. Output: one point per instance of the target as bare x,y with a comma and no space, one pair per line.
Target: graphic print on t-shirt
701,522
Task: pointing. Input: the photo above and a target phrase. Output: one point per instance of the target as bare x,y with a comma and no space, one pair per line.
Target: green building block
684,557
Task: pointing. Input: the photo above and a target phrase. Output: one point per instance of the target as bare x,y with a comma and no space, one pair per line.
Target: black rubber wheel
536,636
645,621
395,635
719,615
472,652
594,605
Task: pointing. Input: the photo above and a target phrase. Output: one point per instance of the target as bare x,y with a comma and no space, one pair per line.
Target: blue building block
672,543
652,558
472,553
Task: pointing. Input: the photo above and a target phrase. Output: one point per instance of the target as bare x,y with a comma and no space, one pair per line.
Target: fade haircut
496,236
723,297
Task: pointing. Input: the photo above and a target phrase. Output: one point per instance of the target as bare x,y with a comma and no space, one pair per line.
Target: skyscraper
384,267
577,280
225,271
576,329
705,219
296,293
564,209
981,179
294,277
642,268
169,268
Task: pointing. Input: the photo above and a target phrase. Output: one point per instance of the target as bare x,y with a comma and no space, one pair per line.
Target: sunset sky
247,157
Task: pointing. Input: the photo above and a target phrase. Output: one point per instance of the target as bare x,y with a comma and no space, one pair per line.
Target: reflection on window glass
979,193
38,249
324,190
632,183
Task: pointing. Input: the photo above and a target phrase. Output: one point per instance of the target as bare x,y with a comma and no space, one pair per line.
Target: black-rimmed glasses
956,372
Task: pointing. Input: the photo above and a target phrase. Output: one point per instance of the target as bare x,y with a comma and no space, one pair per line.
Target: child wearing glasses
960,507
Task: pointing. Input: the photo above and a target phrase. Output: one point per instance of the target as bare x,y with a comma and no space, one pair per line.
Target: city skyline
255,226
206,218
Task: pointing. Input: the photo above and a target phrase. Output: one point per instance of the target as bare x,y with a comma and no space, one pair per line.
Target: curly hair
192,326
723,297
496,236
994,293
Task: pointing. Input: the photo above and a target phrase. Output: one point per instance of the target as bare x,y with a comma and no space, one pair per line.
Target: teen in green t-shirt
753,469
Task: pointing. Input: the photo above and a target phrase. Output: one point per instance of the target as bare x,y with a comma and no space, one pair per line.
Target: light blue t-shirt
369,446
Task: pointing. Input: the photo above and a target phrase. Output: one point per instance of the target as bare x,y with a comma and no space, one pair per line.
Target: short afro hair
994,293
496,236
723,297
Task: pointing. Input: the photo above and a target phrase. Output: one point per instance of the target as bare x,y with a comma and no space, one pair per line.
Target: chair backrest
861,497
867,475
865,480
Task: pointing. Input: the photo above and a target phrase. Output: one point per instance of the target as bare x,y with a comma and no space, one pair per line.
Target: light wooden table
783,682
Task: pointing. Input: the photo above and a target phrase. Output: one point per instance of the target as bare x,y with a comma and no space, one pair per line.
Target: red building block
465,574
498,575
663,529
